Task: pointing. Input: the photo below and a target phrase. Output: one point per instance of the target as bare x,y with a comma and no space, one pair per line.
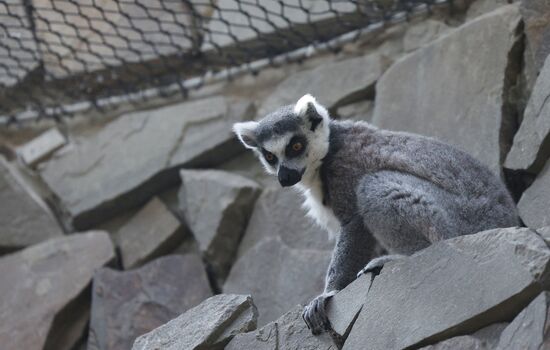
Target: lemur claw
375,265
315,316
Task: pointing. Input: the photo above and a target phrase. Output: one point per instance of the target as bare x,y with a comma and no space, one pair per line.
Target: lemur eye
297,146
270,157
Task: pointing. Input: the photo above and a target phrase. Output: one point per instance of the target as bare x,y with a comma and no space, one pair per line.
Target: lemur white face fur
290,142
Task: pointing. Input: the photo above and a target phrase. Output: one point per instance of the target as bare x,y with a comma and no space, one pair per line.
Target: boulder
333,84
485,339
278,276
23,221
43,299
531,147
451,288
216,206
422,33
248,165
289,332
138,154
210,325
151,232
42,146
127,304
357,111
533,205
536,18
453,90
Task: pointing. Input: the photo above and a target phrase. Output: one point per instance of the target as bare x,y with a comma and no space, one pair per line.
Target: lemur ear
315,113
246,132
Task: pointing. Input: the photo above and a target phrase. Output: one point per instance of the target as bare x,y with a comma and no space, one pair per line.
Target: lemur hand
315,315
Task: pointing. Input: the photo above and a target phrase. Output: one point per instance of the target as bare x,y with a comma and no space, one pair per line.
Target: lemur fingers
376,264
315,315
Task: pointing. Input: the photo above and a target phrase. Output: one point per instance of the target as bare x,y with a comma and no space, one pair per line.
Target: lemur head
290,142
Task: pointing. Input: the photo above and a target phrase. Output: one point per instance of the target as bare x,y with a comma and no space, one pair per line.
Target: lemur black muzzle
288,177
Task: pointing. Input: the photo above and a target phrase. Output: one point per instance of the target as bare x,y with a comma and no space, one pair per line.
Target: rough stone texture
481,7
536,17
88,38
210,325
533,205
531,147
333,84
128,304
22,220
139,153
247,165
529,330
42,146
18,50
289,332
362,110
278,276
42,295
485,339
151,232
216,206
422,33
453,90
451,288
343,308
545,234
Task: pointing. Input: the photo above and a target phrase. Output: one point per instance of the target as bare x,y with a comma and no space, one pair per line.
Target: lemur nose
288,177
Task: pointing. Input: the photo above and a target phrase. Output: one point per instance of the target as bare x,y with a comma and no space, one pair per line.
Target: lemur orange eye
297,146
269,157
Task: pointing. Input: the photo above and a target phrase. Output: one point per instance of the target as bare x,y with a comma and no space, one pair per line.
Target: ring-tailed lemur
406,190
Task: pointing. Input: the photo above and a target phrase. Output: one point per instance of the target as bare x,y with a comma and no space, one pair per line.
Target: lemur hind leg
405,213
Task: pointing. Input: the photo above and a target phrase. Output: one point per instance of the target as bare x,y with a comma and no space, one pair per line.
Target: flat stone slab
151,232
43,303
216,206
23,220
533,206
127,304
453,90
42,146
531,147
453,287
289,332
138,154
210,325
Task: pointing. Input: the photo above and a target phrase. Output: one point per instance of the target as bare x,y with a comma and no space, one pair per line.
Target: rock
151,232
139,154
42,146
43,299
481,7
533,205
485,339
413,95
82,39
216,206
529,330
278,277
210,325
343,308
451,288
536,18
357,111
545,234
23,221
127,304
287,333
531,147
248,165
279,213
422,33
18,52
333,84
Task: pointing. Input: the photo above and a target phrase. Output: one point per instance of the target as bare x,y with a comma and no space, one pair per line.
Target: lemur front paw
376,264
315,315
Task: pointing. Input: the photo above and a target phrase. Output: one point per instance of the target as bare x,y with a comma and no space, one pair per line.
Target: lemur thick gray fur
404,190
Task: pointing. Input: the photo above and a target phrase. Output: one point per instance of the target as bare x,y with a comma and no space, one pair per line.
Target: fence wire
61,57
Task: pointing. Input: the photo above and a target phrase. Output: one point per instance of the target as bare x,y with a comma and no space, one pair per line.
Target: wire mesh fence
60,57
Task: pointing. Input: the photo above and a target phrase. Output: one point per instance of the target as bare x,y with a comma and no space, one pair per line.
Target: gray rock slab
362,110
423,33
247,165
278,277
138,154
531,147
23,221
343,308
333,84
210,325
485,339
216,206
127,304
453,90
43,303
544,232
151,232
533,204
19,54
452,288
42,146
289,332
536,17
529,329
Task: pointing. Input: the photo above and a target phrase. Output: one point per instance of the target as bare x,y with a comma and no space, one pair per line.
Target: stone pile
193,247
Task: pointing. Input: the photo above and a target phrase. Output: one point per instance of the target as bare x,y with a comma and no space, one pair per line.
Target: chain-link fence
59,57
